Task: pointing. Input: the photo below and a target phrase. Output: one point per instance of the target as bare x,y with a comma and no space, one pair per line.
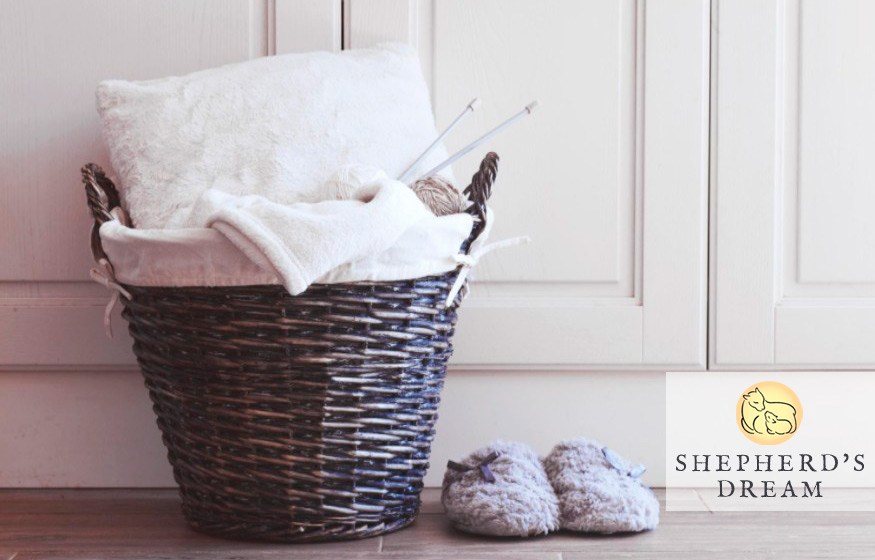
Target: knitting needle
527,110
469,109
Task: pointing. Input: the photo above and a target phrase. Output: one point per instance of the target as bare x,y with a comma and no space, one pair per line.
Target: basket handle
478,193
102,199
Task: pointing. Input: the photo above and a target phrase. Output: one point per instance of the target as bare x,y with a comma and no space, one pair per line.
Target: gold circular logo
768,413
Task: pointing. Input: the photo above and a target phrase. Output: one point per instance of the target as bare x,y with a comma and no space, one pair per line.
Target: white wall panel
793,276
52,56
747,170
609,176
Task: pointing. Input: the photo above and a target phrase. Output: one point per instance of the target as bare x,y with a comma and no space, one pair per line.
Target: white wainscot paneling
83,429
79,429
794,273
609,176
52,56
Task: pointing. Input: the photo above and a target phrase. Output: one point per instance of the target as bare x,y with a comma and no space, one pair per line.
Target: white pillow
278,126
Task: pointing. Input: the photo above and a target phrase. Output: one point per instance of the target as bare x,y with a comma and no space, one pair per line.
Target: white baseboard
97,429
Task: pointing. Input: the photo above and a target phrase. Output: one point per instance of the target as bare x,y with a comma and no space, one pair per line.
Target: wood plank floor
147,524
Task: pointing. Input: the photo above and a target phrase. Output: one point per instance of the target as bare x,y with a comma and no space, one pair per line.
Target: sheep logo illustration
768,413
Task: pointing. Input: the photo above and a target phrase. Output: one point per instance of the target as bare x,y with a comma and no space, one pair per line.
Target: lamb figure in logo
760,416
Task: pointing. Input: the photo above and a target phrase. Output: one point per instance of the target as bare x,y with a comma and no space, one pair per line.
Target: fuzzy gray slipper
500,490
598,491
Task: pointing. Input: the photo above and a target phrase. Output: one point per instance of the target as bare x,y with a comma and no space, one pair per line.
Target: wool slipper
500,490
598,491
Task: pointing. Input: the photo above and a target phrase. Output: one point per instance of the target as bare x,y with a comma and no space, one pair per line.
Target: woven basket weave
295,418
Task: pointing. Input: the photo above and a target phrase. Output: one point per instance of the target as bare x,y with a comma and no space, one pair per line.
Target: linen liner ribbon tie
482,466
103,274
468,261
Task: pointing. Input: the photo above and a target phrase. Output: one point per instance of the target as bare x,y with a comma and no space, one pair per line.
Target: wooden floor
147,524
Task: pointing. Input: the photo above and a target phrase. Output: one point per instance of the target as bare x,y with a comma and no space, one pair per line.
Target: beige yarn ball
348,179
440,196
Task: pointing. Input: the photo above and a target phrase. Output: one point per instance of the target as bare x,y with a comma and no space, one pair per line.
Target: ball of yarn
440,196
347,179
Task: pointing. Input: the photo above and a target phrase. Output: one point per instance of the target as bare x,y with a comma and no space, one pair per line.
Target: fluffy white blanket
276,126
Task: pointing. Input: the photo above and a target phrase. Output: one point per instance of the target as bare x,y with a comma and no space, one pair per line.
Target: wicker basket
295,418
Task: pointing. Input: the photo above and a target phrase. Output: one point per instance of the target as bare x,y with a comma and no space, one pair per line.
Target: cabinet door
609,176
52,55
794,238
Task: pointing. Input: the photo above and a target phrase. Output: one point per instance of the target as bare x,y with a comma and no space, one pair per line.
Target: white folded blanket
383,233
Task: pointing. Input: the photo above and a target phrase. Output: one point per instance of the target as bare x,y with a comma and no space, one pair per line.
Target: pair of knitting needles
527,110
